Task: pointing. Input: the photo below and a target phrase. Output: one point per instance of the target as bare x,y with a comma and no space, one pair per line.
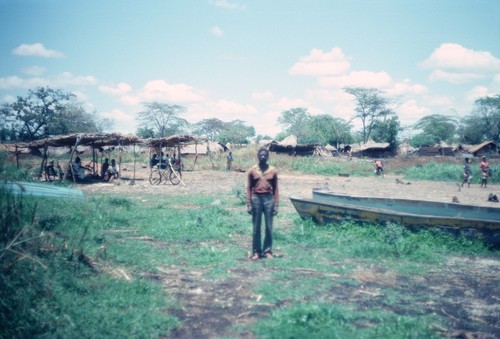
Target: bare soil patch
465,291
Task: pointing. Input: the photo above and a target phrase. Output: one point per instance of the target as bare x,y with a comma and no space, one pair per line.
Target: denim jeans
262,204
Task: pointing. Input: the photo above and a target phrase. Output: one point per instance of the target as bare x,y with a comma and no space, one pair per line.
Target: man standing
229,160
484,167
262,197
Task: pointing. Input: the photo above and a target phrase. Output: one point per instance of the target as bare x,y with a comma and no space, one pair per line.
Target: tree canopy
484,121
436,128
371,107
44,112
162,119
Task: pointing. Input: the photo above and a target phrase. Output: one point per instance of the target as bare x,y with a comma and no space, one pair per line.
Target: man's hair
263,149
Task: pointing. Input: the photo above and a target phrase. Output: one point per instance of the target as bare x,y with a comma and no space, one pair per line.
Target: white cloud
358,79
226,4
262,96
62,80
454,77
478,92
225,110
160,90
409,112
119,90
34,70
122,121
456,64
406,87
455,56
216,31
36,49
319,63
285,103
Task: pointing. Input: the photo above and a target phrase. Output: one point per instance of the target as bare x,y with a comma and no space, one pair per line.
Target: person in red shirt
262,198
379,167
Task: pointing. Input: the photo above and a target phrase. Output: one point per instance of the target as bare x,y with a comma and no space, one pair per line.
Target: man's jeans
262,204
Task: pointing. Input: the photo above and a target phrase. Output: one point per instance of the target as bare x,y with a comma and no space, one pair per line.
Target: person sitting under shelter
113,171
104,167
78,170
153,161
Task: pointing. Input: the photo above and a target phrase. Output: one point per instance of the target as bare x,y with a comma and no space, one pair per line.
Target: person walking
262,198
484,167
467,173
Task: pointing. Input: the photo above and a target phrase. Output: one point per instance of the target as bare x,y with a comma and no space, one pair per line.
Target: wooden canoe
461,220
41,189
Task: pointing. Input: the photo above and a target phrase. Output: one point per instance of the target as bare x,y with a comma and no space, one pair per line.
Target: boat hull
324,212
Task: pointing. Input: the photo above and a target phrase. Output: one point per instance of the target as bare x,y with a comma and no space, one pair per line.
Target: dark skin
263,156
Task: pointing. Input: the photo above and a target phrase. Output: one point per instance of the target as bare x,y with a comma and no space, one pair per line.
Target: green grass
339,321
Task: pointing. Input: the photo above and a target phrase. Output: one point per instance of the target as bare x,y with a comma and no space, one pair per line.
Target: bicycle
163,173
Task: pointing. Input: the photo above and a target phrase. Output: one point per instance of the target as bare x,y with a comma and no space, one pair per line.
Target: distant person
153,161
229,161
77,169
467,173
262,197
484,167
113,171
379,167
104,167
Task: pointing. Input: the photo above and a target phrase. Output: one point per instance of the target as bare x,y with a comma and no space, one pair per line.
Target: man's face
263,156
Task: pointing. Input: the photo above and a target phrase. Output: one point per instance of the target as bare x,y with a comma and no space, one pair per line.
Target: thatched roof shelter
483,148
88,139
172,141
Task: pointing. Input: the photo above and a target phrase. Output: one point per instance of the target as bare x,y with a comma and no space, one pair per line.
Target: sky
252,59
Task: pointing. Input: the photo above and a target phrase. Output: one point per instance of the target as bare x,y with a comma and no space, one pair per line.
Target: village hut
487,147
290,146
371,149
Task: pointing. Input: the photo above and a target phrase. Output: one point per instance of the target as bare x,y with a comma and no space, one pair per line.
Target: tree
38,113
45,111
437,127
211,128
387,131
484,122
324,129
163,119
294,121
370,108
423,140
73,118
236,132
145,132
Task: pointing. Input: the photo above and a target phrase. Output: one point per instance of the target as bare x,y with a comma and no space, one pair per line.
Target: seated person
154,161
104,167
113,171
78,170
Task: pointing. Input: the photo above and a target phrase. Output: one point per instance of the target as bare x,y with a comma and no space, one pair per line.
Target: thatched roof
290,140
87,139
370,145
487,145
172,141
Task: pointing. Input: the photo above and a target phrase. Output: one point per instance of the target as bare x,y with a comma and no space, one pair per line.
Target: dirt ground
465,291
300,185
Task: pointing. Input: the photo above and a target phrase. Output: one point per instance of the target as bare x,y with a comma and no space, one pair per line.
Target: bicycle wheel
155,177
175,177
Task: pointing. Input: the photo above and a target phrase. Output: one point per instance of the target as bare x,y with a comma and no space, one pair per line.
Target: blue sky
251,60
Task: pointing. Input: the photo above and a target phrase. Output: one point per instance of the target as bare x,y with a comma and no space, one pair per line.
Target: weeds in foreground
339,321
